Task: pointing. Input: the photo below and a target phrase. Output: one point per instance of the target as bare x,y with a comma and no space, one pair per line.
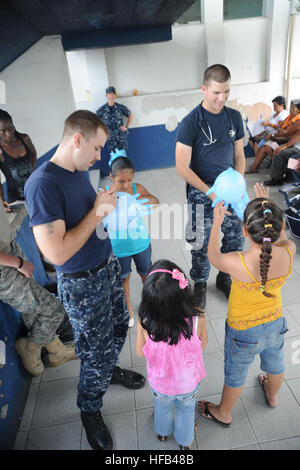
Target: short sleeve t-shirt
209,136
54,193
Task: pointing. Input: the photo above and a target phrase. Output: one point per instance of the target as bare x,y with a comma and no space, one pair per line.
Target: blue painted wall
14,380
149,148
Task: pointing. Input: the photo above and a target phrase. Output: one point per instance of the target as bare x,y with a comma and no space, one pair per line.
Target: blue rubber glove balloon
127,212
230,187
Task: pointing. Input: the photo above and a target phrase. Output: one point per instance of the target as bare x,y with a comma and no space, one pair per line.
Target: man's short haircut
218,73
85,122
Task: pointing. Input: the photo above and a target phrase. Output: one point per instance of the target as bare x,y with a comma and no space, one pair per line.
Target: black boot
96,430
199,294
274,182
128,378
223,282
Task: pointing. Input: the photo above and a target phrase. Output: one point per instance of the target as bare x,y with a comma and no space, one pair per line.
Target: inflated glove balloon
127,212
240,206
230,187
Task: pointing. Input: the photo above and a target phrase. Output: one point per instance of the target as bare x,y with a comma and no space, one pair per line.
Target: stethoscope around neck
208,134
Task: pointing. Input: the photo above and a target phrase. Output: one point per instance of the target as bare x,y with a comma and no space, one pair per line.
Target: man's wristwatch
21,262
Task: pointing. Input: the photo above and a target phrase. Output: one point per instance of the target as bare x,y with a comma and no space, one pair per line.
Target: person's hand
27,268
261,191
279,149
124,128
105,202
219,213
6,206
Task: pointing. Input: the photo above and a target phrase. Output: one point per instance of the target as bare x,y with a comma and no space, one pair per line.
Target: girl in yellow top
255,324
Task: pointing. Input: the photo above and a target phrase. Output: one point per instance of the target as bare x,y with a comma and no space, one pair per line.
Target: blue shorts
142,262
241,347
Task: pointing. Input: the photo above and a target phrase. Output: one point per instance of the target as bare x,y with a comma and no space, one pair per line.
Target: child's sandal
162,438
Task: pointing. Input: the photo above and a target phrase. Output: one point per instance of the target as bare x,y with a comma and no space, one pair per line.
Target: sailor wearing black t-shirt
209,140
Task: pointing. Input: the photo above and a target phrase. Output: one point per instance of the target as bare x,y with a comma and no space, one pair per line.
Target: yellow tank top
248,307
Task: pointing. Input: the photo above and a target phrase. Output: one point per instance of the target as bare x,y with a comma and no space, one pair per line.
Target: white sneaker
131,322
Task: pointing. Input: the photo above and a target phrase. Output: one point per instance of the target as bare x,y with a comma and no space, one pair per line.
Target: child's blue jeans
183,425
241,347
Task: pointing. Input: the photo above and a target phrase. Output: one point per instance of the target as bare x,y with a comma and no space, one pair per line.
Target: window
234,9
191,14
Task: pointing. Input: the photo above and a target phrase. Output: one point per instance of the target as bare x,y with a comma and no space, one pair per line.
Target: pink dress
176,369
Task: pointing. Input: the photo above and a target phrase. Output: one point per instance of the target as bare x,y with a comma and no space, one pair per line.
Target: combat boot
59,353
30,353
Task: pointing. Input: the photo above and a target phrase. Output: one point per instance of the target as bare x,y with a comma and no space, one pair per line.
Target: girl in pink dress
171,335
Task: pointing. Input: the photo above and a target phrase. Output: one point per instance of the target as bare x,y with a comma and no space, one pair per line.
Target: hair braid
266,248
263,221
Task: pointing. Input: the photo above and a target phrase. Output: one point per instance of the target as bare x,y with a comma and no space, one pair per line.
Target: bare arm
222,261
140,341
32,149
201,330
183,160
59,245
14,262
290,130
144,193
291,142
239,156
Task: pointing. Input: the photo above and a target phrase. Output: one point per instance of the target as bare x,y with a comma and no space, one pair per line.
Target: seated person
274,122
41,312
289,127
280,161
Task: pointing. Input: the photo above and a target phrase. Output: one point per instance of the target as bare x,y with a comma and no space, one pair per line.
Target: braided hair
263,221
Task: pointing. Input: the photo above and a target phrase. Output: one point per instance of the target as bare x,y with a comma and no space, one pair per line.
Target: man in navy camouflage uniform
209,140
64,212
112,114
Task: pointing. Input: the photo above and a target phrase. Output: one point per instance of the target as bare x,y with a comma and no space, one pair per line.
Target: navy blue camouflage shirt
113,118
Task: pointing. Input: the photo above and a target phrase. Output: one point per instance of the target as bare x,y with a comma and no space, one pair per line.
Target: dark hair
85,122
166,311
279,100
119,164
218,73
263,219
4,116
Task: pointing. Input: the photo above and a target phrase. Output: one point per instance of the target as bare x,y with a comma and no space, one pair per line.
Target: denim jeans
183,425
241,347
142,262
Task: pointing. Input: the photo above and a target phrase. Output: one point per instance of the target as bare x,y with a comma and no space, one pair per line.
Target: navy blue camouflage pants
98,313
198,229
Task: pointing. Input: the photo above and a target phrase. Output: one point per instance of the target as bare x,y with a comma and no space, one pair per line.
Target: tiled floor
51,418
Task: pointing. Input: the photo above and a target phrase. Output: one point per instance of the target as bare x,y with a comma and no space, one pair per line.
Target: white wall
167,75
160,67
39,93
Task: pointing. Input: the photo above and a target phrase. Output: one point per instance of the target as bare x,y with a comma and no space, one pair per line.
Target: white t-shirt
276,119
